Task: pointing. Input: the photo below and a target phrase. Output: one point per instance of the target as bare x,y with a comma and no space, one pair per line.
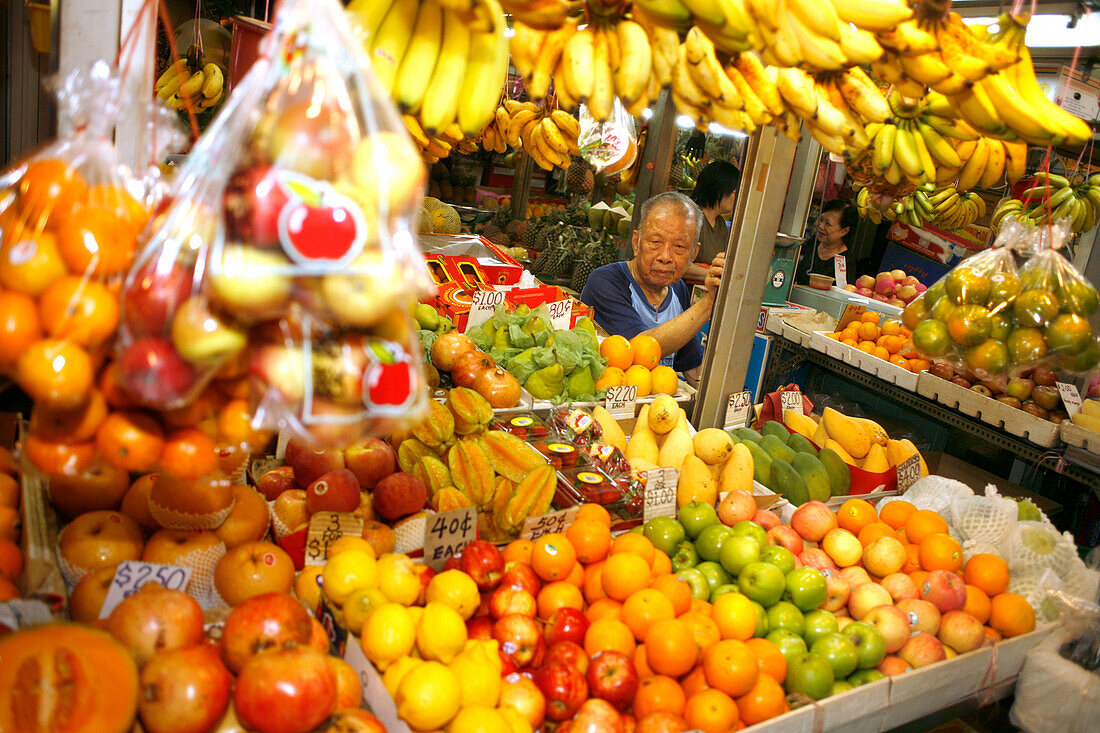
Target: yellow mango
839,450
847,432
875,434
612,432
737,471
804,425
876,461
676,448
820,435
1086,421
713,445
1091,407
663,414
696,483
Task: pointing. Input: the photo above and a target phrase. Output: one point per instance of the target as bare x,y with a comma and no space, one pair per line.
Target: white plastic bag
1053,693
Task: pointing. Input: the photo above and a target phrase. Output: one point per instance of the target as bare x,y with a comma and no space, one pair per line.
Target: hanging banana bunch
818,35
434,148
202,88
550,138
1054,198
944,207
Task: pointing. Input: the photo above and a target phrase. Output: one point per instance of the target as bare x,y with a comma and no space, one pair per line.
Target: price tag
1071,398
739,410
660,493
840,269
792,400
327,527
908,473
374,691
132,574
621,401
535,527
446,533
482,307
561,314
851,313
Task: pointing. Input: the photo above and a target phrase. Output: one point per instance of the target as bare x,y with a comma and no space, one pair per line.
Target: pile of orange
11,555
636,362
886,338
696,661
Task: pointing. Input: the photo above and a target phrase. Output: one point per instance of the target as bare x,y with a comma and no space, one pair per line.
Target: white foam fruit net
988,519
936,493
1038,546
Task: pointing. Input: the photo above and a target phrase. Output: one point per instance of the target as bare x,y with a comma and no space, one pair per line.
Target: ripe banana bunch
546,15
727,23
444,61
551,139
866,207
953,210
832,106
178,86
817,35
708,92
1054,198
503,132
433,148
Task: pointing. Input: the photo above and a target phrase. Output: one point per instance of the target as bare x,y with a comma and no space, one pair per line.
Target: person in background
715,193
818,254
647,294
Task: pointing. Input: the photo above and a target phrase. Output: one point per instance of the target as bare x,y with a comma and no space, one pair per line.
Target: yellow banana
366,16
552,136
906,155
577,64
215,81
797,88
859,46
823,54
567,123
1019,116
928,165
173,84
419,61
524,48
684,85
485,74
817,16
873,15
415,130
750,66
994,165
562,94
972,170
388,45
631,77
928,68
862,95
439,106
547,60
975,107
192,86
176,71
516,126
208,102
754,106
940,149
602,102
964,64
668,13
909,38
883,153
1015,160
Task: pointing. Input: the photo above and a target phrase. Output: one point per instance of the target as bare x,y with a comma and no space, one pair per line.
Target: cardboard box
976,478
471,259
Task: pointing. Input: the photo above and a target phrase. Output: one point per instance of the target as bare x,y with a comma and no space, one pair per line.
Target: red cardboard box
471,260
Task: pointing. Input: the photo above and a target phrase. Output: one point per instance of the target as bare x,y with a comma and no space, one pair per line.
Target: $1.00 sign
482,307
446,533
660,493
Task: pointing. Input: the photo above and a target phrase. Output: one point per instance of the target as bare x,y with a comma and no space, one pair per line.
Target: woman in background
715,193
838,219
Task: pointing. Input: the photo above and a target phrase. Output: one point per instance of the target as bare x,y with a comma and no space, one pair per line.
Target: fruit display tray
862,360
1075,435
968,402
781,327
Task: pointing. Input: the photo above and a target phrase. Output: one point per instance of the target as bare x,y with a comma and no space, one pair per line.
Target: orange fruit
641,666
855,514
764,701
731,667
701,607
670,647
117,199
609,634
11,523
894,344
912,560
940,552
899,361
84,311
711,711
189,453
9,591
640,377
647,351
96,241
611,377
924,523
558,594
593,582
849,341
735,616
918,365
704,629
977,604
869,317
56,457
658,693
635,543
71,426
694,681
769,659
130,440
661,564
896,513
11,559
19,327
987,572
591,539
30,261
665,380
868,331
9,491
1011,615
866,347
874,531
644,608
576,576
55,372
880,352
553,556
518,551
891,327
604,608
595,511
918,576
675,589
235,425
618,352
51,189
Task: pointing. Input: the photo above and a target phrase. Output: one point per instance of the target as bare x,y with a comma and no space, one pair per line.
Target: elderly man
647,293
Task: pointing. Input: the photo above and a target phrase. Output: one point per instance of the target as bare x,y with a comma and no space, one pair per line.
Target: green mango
761,463
580,383
814,474
547,382
748,435
426,316
787,482
771,427
734,436
801,444
776,448
840,478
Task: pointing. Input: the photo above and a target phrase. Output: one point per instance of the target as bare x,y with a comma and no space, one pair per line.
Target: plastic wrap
610,145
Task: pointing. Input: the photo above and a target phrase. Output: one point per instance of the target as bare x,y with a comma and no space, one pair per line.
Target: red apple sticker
319,226
390,382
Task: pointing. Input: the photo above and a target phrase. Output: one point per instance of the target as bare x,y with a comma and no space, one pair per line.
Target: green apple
778,556
665,533
784,615
762,583
868,641
715,574
839,652
723,589
685,557
819,623
841,686
789,643
709,542
737,552
761,620
806,588
747,528
809,675
700,588
865,676
697,516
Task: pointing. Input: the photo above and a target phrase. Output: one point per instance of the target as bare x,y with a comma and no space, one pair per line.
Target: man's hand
714,273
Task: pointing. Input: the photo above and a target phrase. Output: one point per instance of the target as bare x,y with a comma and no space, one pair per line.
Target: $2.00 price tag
739,410
908,473
535,527
621,401
327,527
1071,398
791,400
131,575
446,533
482,307
660,493
561,314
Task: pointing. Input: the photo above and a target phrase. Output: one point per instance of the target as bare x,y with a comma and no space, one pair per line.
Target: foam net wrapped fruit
291,239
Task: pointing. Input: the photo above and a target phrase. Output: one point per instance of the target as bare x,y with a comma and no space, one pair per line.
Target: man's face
664,246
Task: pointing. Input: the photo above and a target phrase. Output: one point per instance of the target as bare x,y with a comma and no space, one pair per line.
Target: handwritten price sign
535,527
131,575
1071,398
561,314
324,529
621,401
446,533
482,307
739,410
791,400
660,493
908,473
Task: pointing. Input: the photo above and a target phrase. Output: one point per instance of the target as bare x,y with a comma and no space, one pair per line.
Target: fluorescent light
1053,31
647,113
716,129
685,122
509,32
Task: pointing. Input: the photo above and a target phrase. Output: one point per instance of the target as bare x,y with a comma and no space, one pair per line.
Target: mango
612,433
1084,420
737,471
803,425
799,443
641,465
761,463
847,432
712,445
840,478
1091,407
733,436
771,427
875,434
820,435
814,474
696,483
749,434
675,449
876,461
788,483
776,448
663,414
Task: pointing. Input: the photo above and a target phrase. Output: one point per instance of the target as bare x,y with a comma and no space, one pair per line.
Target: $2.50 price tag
446,533
131,575
482,307
739,410
660,493
535,527
621,401
327,527
908,473
791,400
561,314
1071,398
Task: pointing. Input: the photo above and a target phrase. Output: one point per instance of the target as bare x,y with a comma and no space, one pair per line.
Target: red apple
813,520
891,666
855,575
519,637
507,600
568,652
335,491
767,519
900,587
275,481
921,650
564,687
264,622
961,631
597,716
566,624
483,562
349,691
522,576
399,495
202,337
371,460
865,597
815,557
921,616
613,677
521,692
311,464
153,372
479,627
152,296
838,591
184,690
286,691
253,200
892,624
785,536
945,590
291,509
156,619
